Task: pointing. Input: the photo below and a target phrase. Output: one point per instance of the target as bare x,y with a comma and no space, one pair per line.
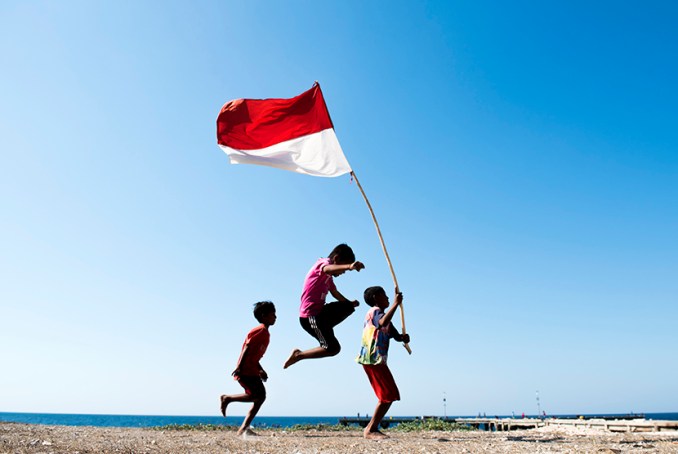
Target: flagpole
388,259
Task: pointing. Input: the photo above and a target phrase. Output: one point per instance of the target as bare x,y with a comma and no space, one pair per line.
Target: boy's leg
258,397
245,427
385,388
338,311
297,355
254,389
225,400
372,428
320,327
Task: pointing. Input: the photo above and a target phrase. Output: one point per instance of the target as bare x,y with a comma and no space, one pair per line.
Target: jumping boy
248,372
377,332
317,318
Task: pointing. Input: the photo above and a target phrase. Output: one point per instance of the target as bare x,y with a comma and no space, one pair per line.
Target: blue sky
521,158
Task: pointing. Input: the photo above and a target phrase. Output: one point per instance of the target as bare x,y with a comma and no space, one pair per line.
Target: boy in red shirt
248,372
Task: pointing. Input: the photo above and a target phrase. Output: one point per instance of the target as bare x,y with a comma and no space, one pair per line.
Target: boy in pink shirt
315,316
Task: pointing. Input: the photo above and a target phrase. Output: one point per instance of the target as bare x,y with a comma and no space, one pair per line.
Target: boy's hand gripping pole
388,259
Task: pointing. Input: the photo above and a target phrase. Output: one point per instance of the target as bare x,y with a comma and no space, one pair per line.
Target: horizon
521,160
362,415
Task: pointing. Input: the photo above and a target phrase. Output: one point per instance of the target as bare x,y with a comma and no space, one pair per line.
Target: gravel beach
26,438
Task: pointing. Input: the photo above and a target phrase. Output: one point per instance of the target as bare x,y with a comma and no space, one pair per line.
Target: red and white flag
293,134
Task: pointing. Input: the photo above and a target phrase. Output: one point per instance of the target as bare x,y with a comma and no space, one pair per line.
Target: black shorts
253,386
321,326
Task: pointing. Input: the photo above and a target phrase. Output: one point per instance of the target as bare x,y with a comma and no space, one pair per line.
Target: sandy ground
25,438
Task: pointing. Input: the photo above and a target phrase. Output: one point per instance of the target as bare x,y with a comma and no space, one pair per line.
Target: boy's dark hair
262,309
343,254
371,293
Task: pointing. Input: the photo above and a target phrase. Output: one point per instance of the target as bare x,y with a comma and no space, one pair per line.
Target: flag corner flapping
294,134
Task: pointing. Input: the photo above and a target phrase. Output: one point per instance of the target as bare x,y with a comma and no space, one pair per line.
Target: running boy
317,318
248,372
377,332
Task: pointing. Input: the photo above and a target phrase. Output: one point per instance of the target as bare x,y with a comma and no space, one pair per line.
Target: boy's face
270,318
381,300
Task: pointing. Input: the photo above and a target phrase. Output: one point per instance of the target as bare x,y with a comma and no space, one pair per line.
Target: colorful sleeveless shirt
375,341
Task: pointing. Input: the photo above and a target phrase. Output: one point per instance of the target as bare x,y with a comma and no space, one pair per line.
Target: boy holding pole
377,332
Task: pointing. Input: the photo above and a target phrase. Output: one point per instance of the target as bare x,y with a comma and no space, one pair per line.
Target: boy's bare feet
225,400
376,435
294,357
247,433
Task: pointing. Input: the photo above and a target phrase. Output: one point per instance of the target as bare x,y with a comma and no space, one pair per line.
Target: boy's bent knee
259,398
333,349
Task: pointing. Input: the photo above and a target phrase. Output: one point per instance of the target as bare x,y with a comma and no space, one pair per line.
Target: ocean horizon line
121,420
421,415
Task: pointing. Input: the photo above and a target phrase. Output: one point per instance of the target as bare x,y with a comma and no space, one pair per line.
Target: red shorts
253,386
382,382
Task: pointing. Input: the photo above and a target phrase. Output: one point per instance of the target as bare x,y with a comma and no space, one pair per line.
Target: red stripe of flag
252,124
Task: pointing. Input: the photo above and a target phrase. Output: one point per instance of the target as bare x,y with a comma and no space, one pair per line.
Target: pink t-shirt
316,287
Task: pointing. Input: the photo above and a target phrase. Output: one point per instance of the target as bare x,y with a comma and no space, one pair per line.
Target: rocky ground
25,438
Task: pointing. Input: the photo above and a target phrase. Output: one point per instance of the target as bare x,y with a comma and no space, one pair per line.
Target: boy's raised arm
386,319
357,266
335,293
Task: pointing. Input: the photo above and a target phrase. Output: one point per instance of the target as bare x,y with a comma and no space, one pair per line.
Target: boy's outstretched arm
357,266
339,297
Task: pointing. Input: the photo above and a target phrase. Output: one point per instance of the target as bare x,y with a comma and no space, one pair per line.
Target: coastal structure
631,423
613,425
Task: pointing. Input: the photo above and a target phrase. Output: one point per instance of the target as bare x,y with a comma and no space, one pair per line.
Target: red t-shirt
256,343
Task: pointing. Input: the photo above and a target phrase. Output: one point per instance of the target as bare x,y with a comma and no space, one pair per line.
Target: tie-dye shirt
374,349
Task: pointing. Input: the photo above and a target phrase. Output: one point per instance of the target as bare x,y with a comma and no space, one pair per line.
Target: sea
69,419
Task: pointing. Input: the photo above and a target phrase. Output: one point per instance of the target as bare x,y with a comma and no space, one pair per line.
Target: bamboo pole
388,259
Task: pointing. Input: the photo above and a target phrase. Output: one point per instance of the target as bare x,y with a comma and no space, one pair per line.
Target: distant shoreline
103,420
